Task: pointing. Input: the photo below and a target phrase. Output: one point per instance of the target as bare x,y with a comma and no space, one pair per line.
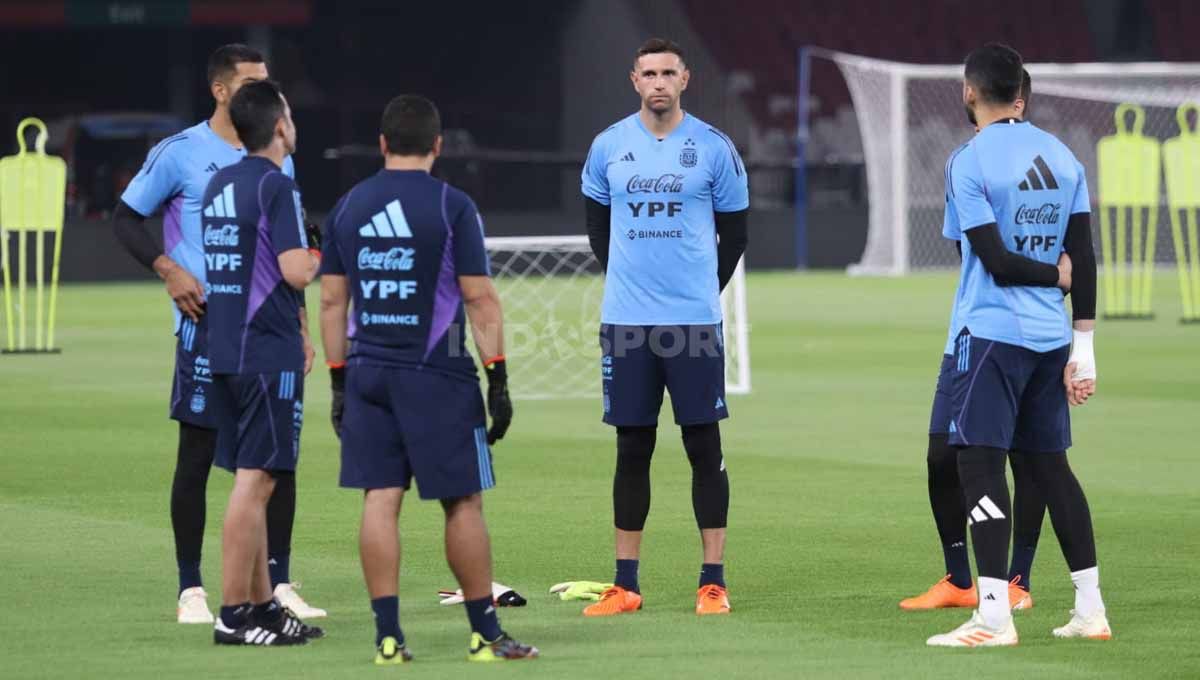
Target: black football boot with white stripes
284,621
251,633
292,625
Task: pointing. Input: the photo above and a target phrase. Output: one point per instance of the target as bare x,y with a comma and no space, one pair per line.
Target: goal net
911,117
551,288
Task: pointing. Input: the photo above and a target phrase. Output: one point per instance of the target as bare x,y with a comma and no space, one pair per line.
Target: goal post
551,288
910,118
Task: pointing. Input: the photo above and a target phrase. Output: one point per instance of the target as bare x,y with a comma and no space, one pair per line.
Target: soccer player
174,177
1020,198
408,250
956,588
257,264
666,201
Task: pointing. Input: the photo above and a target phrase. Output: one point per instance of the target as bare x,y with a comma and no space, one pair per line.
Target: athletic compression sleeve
1007,267
598,218
732,230
1083,266
130,228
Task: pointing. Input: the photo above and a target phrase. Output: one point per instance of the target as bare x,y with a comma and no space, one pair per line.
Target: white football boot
288,597
976,633
193,607
1094,627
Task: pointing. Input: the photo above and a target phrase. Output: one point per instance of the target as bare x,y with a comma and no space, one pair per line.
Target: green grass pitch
829,525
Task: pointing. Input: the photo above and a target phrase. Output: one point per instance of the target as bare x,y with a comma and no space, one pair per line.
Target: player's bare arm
482,305
335,304
298,267
309,352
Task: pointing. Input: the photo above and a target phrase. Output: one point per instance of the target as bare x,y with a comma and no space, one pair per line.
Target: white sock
1087,591
993,602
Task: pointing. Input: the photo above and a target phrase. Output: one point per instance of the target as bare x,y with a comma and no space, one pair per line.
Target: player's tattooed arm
598,218
309,352
130,228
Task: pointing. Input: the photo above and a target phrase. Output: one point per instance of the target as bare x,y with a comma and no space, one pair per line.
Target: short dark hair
255,110
659,46
995,70
411,125
1026,90
224,60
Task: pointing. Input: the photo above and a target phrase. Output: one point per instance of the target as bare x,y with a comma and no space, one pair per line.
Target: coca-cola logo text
669,183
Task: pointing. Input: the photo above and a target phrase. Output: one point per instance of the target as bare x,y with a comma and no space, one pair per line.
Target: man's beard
661,107
970,114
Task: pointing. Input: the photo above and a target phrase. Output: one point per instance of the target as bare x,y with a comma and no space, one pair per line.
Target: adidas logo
628,157
990,596
1035,182
212,167
222,205
391,223
720,403
984,510
953,427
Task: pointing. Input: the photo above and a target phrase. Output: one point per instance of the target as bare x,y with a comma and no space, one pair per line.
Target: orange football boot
712,599
615,600
1018,597
943,594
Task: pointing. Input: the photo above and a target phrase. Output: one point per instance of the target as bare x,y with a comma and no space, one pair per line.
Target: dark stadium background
523,87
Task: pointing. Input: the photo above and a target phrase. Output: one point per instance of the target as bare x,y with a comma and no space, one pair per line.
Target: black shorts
1009,397
258,417
192,384
637,362
401,423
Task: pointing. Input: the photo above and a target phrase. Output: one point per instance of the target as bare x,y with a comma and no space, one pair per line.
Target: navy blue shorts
401,423
637,362
193,381
939,419
258,417
1009,397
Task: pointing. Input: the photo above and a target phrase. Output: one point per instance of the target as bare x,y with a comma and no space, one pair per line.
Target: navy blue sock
712,575
278,566
387,618
958,564
235,617
1022,564
189,575
482,615
627,575
268,612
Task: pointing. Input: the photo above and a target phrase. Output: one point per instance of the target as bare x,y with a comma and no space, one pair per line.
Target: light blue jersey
174,177
1029,183
952,231
662,258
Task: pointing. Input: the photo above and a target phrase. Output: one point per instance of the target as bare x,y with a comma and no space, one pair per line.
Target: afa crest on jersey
198,402
687,157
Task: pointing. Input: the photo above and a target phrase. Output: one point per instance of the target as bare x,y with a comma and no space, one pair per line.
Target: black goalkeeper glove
499,404
337,380
313,233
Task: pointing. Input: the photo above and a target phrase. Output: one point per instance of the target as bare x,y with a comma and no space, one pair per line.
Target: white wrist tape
1083,355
